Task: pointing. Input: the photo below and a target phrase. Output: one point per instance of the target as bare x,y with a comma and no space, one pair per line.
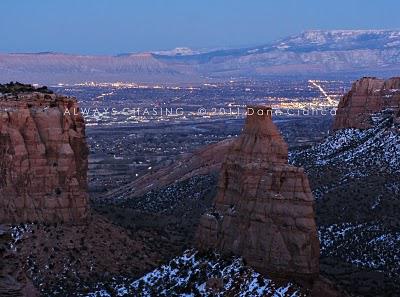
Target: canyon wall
43,159
264,208
367,96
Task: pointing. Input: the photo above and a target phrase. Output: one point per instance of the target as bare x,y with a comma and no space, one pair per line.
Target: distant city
126,141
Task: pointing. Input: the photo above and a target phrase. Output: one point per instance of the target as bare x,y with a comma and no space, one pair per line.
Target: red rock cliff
367,95
263,210
43,159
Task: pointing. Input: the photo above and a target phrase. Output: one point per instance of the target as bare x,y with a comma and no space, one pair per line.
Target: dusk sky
112,27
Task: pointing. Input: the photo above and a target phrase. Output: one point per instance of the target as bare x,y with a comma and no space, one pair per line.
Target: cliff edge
368,95
43,158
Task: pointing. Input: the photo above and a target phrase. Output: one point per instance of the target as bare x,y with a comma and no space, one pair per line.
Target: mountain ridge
312,52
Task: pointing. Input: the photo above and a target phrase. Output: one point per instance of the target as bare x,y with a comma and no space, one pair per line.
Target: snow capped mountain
178,51
315,52
316,40
341,40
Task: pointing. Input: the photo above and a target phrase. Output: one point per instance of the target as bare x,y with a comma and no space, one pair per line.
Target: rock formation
367,95
263,210
43,158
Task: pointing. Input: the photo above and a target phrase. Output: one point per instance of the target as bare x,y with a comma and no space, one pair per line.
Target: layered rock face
367,95
263,210
43,159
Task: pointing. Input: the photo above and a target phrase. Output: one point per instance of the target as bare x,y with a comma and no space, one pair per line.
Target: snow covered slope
195,274
352,154
354,175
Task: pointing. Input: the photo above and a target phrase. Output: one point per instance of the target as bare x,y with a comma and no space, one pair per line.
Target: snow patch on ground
367,245
196,274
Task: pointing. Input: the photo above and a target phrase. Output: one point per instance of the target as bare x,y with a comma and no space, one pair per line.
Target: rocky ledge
43,158
368,95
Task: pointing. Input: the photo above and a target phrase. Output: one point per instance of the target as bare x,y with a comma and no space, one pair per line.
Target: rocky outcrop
43,159
263,210
367,95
